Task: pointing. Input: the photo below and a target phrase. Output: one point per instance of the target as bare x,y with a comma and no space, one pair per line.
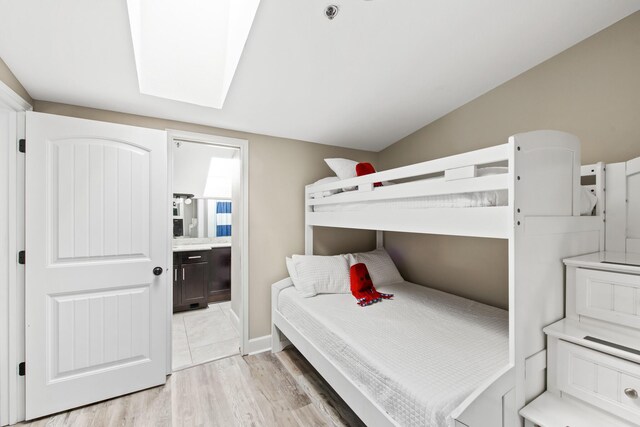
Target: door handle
158,271
195,257
182,273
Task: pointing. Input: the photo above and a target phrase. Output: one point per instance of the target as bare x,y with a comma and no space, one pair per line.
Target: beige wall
278,171
591,90
7,77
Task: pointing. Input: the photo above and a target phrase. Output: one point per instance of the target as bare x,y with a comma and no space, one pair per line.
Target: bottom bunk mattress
417,356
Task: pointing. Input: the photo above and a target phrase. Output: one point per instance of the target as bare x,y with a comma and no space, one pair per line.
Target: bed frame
541,222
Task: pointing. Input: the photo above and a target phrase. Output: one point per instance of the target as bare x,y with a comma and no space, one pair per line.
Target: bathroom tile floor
203,335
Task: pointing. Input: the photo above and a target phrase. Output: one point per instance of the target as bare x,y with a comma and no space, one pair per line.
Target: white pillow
326,193
380,265
321,275
291,268
344,169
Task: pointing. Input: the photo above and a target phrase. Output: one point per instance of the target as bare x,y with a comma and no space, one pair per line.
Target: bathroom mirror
201,217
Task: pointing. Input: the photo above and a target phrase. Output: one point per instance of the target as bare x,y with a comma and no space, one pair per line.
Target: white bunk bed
535,206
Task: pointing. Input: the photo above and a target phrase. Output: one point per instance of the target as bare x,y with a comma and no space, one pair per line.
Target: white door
96,212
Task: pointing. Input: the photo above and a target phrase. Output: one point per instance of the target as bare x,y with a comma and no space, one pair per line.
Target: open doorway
206,294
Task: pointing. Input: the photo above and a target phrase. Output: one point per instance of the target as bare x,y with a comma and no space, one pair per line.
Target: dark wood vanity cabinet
219,275
201,277
190,280
194,278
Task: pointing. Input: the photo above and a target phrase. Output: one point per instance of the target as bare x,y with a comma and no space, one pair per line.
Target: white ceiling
379,71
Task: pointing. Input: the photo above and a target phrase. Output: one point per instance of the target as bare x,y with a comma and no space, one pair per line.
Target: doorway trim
12,397
239,267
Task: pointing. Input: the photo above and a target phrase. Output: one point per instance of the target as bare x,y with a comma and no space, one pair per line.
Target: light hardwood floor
260,390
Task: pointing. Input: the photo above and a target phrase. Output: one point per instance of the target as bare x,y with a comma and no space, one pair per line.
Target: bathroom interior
205,323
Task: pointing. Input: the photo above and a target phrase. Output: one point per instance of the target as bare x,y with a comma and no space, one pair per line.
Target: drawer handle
195,257
631,393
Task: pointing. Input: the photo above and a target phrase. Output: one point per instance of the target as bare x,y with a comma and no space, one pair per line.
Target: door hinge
22,257
22,369
22,145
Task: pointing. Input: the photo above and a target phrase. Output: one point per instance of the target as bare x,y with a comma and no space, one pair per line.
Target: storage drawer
193,257
608,296
605,381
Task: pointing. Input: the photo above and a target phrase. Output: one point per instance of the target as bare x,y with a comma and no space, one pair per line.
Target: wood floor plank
275,390
236,390
334,409
215,406
310,416
261,390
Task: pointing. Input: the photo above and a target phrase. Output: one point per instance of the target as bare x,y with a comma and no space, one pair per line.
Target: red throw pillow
366,168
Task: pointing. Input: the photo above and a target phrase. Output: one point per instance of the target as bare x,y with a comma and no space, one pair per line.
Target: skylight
188,50
219,178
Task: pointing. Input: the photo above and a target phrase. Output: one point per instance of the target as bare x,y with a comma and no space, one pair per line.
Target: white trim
235,320
12,100
258,345
243,230
16,293
169,269
6,272
12,323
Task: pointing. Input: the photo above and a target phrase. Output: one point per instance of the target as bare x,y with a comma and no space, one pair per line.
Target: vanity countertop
200,246
185,244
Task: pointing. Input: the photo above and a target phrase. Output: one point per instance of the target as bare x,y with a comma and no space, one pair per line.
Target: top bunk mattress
417,356
480,199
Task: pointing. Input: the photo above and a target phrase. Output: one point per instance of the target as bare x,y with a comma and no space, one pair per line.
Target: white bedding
417,356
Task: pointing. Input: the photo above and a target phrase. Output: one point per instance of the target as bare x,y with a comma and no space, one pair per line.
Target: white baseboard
258,345
235,320
255,345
